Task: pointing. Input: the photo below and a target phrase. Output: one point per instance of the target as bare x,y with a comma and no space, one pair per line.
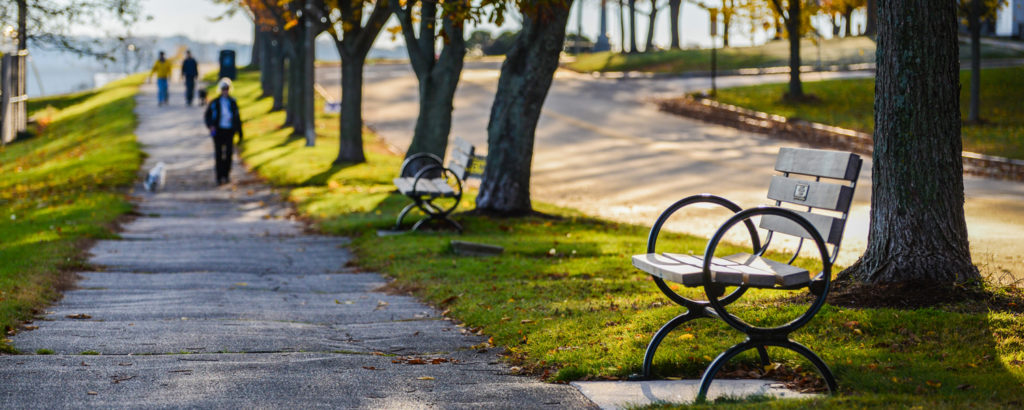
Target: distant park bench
824,208
434,189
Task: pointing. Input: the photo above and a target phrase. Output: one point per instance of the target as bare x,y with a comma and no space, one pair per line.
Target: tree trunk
22,25
526,77
258,42
796,89
350,148
974,24
263,57
871,25
778,28
632,27
438,81
649,44
307,112
726,21
849,23
675,8
276,71
917,229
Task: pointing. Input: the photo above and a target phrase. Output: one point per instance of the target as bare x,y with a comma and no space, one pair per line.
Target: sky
192,18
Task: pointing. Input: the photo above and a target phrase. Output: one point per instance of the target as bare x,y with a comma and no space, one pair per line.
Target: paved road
215,298
602,147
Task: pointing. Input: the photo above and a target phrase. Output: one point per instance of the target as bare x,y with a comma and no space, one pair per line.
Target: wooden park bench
821,183
434,189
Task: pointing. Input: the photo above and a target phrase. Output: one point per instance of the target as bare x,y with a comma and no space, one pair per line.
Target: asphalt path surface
604,148
215,297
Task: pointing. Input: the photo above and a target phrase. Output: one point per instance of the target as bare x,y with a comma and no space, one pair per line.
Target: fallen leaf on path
369,368
425,378
79,316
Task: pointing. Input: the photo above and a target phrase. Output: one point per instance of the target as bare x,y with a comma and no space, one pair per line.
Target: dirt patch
973,297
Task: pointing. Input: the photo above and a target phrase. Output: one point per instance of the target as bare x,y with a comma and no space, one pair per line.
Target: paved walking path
215,297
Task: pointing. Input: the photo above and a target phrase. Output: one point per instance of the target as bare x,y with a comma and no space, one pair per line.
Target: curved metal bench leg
716,365
401,215
652,347
823,370
765,360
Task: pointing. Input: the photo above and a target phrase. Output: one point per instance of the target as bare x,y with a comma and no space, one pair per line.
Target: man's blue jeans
161,85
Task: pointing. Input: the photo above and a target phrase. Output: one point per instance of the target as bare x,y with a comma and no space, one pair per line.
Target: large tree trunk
726,22
350,148
974,24
675,8
649,44
917,200
871,25
258,42
632,27
796,88
526,77
438,80
262,58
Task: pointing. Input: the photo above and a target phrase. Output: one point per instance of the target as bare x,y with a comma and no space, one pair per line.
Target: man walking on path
223,120
162,69
189,71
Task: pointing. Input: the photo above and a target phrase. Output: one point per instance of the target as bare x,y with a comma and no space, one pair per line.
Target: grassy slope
772,54
61,189
850,104
565,302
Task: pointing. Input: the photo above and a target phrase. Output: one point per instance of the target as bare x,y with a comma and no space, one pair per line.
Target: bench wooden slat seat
733,270
436,187
424,179
812,198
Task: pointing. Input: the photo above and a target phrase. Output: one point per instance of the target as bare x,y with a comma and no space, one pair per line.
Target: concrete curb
820,135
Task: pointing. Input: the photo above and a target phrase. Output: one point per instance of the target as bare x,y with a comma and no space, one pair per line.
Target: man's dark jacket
189,68
213,113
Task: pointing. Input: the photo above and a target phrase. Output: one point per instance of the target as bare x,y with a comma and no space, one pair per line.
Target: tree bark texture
974,25
526,77
438,76
675,8
917,227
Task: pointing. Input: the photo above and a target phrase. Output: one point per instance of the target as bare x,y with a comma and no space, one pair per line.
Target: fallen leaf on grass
79,316
933,383
525,321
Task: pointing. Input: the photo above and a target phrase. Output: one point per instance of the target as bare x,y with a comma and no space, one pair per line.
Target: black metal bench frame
429,168
758,338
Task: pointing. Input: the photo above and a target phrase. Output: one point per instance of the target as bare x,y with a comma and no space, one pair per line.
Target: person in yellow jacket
162,69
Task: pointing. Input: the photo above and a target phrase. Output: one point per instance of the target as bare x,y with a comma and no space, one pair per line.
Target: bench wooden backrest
464,161
816,195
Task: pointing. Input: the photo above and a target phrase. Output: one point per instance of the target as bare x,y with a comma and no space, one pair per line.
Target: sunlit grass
850,104
61,189
565,302
841,51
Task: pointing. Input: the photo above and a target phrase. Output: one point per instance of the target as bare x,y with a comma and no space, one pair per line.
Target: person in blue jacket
224,122
189,71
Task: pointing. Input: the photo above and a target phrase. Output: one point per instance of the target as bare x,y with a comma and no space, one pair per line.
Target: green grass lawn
565,302
850,104
840,51
62,189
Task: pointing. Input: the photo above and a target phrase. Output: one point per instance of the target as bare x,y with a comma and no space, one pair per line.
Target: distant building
1010,20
